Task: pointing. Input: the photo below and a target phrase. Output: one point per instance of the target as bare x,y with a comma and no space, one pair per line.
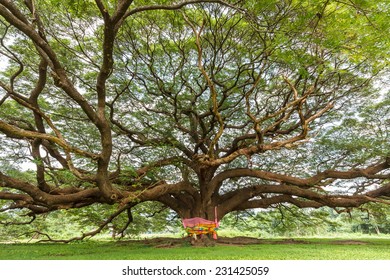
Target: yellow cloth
201,229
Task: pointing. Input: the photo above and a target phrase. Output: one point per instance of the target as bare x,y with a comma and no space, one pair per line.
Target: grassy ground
300,249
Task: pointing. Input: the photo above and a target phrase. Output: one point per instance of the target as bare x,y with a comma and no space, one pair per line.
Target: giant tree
198,105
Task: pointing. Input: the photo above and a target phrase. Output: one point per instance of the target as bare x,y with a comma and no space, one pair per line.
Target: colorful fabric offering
198,226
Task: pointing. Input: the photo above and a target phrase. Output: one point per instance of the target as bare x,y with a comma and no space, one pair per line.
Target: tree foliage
195,105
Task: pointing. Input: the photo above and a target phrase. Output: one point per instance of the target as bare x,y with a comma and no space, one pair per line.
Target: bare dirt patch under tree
164,242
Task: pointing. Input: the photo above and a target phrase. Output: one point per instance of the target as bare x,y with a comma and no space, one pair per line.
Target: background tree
196,105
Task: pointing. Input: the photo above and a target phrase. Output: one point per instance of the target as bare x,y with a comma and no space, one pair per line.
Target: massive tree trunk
200,201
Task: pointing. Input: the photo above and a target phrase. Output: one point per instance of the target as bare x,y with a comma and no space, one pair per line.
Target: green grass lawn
312,249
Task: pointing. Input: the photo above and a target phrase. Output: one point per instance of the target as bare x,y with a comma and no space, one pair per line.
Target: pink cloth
193,222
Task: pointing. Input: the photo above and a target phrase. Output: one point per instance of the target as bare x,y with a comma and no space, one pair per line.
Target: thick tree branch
175,6
46,199
17,132
370,172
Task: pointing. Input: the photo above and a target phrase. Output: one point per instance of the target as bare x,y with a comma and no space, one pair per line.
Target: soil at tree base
166,242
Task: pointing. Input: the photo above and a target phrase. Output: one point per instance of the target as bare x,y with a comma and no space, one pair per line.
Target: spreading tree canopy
194,104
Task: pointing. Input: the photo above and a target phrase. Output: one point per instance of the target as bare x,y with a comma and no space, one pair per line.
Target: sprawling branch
39,197
370,172
175,6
